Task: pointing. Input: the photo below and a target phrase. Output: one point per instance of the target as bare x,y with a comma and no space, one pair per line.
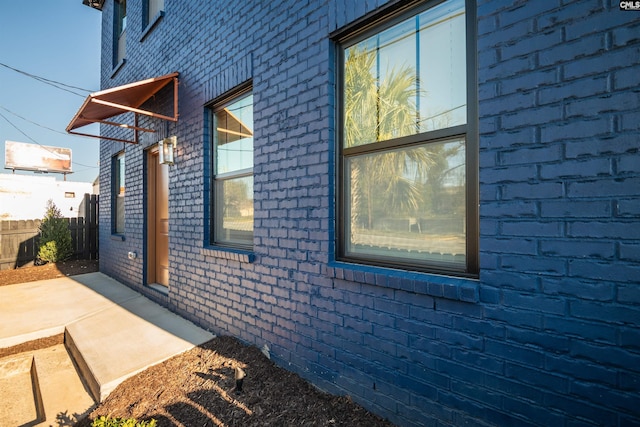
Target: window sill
117,68
118,237
228,253
454,288
151,25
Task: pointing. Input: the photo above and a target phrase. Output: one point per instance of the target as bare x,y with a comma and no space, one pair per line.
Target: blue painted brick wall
548,335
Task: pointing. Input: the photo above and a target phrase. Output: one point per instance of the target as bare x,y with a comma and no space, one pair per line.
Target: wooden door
158,222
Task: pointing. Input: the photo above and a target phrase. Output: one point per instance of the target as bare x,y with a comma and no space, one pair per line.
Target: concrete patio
110,333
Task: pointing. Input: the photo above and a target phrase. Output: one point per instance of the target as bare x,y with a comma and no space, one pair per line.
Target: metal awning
103,105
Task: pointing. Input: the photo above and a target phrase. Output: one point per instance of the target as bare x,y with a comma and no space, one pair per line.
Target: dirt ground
198,387
47,271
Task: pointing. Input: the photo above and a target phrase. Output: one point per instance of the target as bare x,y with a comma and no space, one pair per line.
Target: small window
117,214
407,150
69,195
232,199
119,31
152,11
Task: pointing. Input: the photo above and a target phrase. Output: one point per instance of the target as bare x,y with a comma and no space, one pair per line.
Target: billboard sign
34,157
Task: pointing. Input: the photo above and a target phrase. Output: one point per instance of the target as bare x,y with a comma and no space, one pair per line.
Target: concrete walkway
111,333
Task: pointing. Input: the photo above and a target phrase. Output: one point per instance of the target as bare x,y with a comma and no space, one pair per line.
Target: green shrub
121,422
55,237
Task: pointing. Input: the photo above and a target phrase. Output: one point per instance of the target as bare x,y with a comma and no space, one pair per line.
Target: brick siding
548,335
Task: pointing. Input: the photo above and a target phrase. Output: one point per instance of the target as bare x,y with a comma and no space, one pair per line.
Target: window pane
120,175
407,79
118,193
443,100
119,229
155,7
120,16
234,211
120,33
408,204
233,135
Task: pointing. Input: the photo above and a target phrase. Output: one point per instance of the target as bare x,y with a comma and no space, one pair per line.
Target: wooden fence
19,239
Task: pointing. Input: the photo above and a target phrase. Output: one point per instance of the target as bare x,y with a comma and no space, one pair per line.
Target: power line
86,169
53,83
18,129
36,142
32,122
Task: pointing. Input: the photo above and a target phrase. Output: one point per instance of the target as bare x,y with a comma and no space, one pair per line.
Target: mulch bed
47,271
198,387
36,344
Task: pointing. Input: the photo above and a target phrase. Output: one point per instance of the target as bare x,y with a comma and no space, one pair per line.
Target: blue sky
60,41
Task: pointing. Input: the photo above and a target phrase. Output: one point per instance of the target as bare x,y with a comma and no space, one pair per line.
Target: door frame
149,235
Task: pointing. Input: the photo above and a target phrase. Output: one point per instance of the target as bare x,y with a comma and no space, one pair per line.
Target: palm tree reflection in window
390,190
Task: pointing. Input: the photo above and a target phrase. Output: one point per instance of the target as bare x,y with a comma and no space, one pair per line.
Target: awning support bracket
94,101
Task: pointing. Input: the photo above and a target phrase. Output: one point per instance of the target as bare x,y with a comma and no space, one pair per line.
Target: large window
233,171
117,200
119,31
408,163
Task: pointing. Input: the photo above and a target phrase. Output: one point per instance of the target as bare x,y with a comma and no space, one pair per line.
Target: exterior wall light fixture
166,151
